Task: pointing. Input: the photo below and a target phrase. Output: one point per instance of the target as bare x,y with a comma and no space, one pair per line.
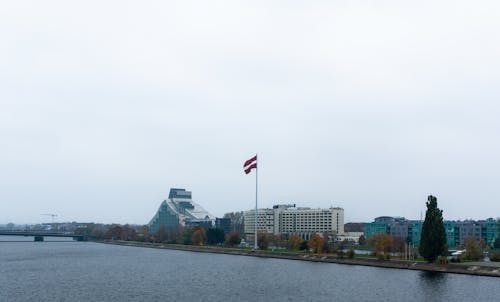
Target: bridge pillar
38,238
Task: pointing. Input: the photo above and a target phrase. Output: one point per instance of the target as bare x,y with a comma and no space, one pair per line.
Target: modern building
381,225
180,209
456,231
289,219
223,224
351,237
489,230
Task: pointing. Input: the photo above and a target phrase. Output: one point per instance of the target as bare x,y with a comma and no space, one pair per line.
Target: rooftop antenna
51,215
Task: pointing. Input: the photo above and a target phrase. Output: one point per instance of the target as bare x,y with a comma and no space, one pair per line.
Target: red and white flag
250,164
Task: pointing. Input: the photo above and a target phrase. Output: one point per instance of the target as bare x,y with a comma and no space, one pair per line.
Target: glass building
456,231
180,209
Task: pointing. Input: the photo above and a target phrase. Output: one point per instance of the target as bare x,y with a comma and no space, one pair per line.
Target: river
63,270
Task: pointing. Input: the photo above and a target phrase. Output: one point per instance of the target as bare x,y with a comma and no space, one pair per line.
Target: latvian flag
250,164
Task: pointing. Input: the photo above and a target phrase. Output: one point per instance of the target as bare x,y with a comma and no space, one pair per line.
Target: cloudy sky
367,105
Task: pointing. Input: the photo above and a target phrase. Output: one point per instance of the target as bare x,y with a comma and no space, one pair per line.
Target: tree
294,242
472,249
186,236
233,238
175,234
340,248
399,244
114,232
161,234
303,246
128,233
263,241
145,234
382,243
433,238
362,240
237,221
316,242
351,253
496,245
198,236
215,236
494,256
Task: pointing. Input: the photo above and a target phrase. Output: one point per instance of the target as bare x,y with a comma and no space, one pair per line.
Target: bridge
39,235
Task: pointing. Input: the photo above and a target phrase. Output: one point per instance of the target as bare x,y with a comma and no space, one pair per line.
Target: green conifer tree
433,240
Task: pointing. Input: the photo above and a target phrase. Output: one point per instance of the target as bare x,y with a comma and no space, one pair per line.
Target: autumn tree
161,234
175,234
294,242
233,238
433,238
97,233
198,236
144,234
128,233
114,232
399,244
263,241
382,243
472,249
316,242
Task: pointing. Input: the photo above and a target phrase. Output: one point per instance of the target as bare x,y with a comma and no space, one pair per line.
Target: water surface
86,271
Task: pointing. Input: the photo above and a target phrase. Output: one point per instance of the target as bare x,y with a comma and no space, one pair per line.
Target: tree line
173,235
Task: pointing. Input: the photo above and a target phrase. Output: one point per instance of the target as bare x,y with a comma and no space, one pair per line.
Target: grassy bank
327,258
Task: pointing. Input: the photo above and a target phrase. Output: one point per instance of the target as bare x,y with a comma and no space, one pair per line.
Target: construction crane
51,215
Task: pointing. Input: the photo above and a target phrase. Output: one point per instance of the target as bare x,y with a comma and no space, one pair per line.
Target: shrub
495,256
442,260
455,260
350,254
233,238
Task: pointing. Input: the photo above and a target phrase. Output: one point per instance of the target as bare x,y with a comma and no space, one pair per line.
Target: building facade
180,210
456,231
223,224
288,219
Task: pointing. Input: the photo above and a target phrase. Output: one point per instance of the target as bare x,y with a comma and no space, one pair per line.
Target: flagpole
256,210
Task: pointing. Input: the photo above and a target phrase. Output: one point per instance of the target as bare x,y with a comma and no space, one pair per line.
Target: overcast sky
367,105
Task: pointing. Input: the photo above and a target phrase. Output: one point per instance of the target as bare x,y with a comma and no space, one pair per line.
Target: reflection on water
430,278
432,285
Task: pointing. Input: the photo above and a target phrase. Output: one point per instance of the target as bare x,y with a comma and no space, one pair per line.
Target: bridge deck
39,234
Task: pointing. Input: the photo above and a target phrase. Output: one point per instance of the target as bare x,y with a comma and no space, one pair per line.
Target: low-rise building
456,231
351,237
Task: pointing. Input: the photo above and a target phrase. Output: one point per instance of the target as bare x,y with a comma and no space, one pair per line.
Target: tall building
180,209
288,219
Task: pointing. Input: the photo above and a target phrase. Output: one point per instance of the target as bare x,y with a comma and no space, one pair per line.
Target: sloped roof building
179,209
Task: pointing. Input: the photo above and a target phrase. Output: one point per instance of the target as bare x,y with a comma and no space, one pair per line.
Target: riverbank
395,264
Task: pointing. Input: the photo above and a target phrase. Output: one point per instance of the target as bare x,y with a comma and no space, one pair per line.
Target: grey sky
368,105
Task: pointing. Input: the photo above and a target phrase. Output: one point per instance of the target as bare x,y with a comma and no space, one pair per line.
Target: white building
288,219
351,237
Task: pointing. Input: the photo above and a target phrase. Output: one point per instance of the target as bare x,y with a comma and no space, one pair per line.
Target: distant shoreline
394,264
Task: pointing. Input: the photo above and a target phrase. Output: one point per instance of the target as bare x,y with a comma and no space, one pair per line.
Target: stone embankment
396,264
